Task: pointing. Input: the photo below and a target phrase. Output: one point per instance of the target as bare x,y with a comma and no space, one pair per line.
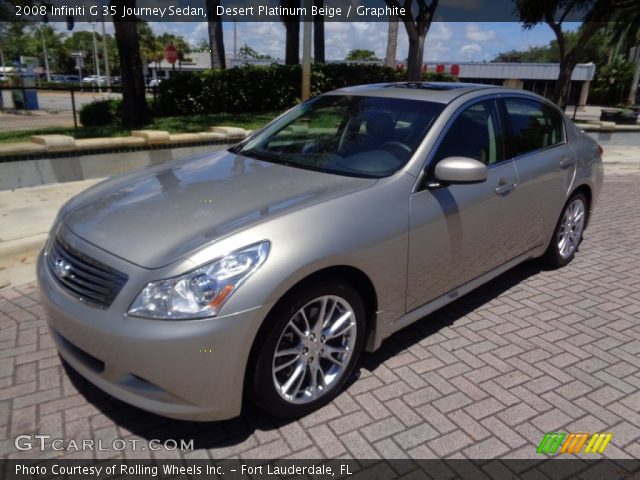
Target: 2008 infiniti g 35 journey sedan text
266,269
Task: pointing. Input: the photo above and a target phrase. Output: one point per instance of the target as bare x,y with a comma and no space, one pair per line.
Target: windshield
348,135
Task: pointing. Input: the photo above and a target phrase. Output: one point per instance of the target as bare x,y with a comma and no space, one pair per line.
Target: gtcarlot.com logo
47,442
560,442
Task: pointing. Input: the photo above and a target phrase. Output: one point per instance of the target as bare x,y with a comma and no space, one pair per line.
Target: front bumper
189,370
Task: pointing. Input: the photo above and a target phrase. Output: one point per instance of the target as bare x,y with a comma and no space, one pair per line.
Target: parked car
267,268
60,78
95,80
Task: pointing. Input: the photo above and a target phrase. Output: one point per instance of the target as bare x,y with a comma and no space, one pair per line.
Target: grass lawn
192,123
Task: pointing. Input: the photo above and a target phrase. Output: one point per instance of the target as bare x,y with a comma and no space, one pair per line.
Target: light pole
235,41
45,54
306,52
105,55
95,55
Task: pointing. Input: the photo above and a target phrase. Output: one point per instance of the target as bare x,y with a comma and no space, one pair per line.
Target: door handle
566,162
505,187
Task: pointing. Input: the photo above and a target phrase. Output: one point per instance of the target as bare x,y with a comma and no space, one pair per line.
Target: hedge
253,88
102,112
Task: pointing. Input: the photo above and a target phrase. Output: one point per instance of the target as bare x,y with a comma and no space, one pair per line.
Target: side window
475,133
532,125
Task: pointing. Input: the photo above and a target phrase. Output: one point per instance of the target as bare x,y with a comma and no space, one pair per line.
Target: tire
568,232
281,377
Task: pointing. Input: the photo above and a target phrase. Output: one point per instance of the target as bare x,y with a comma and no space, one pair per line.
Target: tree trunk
416,53
135,111
292,27
392,42
318,35
216,38
561,88
633,91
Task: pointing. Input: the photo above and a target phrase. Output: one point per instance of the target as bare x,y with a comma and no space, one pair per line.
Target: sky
446,41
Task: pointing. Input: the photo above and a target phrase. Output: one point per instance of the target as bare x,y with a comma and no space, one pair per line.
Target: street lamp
45,54
306,52
95,55
105,55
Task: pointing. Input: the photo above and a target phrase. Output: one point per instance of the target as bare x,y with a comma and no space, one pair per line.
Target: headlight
201,292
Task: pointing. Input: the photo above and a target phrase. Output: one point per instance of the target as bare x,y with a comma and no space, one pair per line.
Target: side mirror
460,170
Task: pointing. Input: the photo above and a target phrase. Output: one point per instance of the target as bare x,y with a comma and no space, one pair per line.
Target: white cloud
470,51
477,34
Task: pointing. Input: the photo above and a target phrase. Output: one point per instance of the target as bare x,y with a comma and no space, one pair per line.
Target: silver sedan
265,270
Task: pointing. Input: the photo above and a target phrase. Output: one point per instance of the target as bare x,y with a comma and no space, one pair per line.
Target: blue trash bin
31,100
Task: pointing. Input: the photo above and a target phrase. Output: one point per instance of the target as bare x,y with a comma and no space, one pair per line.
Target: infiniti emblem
62,268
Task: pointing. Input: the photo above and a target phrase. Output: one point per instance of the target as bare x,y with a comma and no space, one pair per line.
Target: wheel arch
354,276
586,190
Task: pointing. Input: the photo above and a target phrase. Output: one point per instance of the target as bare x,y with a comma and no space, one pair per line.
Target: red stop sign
171,53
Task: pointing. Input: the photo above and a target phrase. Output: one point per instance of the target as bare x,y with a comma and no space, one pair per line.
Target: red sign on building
455,70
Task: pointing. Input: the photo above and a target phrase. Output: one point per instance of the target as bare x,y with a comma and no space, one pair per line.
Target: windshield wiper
237,148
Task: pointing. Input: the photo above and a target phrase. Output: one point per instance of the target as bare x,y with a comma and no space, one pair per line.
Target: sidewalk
27,213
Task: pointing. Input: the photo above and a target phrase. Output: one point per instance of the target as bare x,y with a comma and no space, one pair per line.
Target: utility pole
105,54
4,72
306,52
235,41
95,55
45,54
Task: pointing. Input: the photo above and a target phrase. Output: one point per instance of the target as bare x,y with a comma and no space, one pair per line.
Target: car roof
440,92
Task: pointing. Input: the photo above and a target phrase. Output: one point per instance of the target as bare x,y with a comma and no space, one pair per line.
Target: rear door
545,165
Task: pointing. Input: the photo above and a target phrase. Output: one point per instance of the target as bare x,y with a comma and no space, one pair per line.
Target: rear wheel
568,232
311,349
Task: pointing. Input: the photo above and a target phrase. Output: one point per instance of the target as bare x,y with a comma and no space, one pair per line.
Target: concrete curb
610,127
18,245
41,144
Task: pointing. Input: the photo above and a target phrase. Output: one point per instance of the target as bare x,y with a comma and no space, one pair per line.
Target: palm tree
318,34
216,37
392,42
292,27
135,111
417,28
624,33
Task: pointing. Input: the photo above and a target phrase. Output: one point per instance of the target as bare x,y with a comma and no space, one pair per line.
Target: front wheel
567,235
310,351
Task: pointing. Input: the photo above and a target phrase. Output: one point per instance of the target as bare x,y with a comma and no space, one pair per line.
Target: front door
459,232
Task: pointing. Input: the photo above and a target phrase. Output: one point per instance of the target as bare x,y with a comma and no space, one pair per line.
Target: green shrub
255,88
100,113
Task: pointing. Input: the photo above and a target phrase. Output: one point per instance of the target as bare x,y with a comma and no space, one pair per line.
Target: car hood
155,216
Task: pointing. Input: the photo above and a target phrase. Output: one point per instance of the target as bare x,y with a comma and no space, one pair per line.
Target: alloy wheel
314,349
571,227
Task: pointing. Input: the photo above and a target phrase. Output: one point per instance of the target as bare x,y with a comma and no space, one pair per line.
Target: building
536,77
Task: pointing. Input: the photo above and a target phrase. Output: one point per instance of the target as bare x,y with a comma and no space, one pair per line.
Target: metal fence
37,108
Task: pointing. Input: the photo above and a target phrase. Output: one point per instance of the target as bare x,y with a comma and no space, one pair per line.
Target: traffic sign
171,53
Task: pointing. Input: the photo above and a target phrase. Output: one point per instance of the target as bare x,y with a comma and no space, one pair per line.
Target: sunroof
431,85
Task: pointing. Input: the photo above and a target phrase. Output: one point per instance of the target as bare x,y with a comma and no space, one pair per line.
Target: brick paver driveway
532,352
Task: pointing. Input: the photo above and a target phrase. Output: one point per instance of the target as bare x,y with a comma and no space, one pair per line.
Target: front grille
83,277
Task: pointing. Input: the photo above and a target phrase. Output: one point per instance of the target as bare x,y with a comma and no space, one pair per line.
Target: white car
95,80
